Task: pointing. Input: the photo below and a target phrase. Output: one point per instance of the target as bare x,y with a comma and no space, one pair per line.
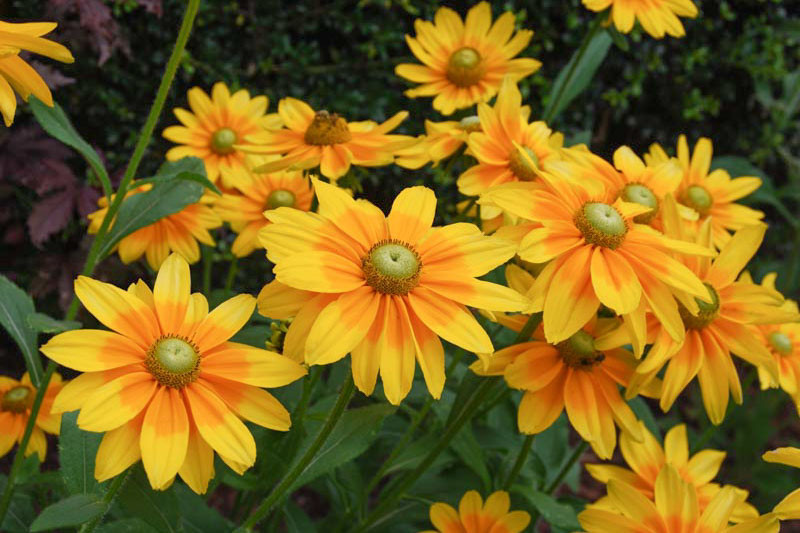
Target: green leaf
72,511
297,521
127,525
187,168
574,78
643,413
159,509
555,513
76,453
15,307
620,41
20,512
471,453
56,123
196,515
46,324
354,433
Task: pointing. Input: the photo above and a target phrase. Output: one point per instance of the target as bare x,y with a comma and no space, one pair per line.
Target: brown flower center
174,361
280,198
642,195
392,267
466,67
698,198
326,129
601,224
579,352
524,168
17,399
707,313
780,342
223,140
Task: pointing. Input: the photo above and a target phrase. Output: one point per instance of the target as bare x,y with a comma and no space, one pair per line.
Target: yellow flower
178,232
16,398
16,74
166,385
646,459
382,288
657,17
789,507
465,62
710,194
216,129
327,140
475,516
244,206
674,508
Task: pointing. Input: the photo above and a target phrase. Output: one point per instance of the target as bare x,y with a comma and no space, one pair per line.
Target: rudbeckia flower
657,17
475,516
16,399
16,74
464,62
166,385
711,195
674,508
244,206
179,232
646,459
383,289
215,130
789,507
319,138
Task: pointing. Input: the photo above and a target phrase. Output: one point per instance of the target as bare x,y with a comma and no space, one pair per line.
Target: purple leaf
51,215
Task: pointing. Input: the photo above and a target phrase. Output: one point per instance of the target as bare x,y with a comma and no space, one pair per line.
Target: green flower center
327,129
465,67
579,352
470,124
601,224
392,267
780,342
223,140
280,198
173,361
642,195
521,166
698,198
17,399
707,311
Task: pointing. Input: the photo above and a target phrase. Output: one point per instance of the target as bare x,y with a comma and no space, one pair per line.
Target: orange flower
475,516
16,398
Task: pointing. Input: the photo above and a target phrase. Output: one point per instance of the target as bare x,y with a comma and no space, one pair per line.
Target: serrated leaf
15,307
159,509
72,511
46,324
555,513
76,453
56,123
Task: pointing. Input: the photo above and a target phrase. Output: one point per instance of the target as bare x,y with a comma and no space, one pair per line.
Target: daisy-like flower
464,62
582,374
789,507
712,195
674,508
244,206
475,516
179,232
216,128
596,254
382,288
319,138
717,326
646,459
166,385
657,17
16,74
16,399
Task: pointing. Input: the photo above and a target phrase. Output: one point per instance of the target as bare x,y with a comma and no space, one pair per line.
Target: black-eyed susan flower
319,138
16,74
243,207
647,457
712,195
16,399
383,289
166,385
216,128
476,516
179,232
657,17
464,62
674,508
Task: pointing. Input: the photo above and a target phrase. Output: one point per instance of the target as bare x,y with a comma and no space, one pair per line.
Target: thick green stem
522,456
108,498
346,392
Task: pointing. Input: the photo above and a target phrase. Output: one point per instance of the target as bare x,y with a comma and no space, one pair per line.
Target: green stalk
346,392
522,456
93,257
231,274
108,498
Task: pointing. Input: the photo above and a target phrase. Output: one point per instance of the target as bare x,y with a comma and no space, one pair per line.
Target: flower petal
164,437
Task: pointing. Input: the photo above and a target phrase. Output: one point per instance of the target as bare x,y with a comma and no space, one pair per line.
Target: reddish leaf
51,215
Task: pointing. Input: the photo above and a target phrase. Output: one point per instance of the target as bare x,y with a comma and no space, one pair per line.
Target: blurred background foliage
734,78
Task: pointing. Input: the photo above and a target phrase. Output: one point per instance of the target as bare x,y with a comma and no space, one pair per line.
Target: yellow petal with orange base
198,466
430,354
735,255
251,403
449,320
117,402
118,450
164,437
93,350
396,351
320,271
224,321
294,343
615,282
171,292
412,214
249,365
570,300
581,404
75,392
538,410
476,293
279,301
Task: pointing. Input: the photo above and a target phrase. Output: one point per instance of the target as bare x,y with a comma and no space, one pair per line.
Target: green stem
576,454
551,110
522,456
231,274
108,499
448,168
527,330
97,245
208,262
346,392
